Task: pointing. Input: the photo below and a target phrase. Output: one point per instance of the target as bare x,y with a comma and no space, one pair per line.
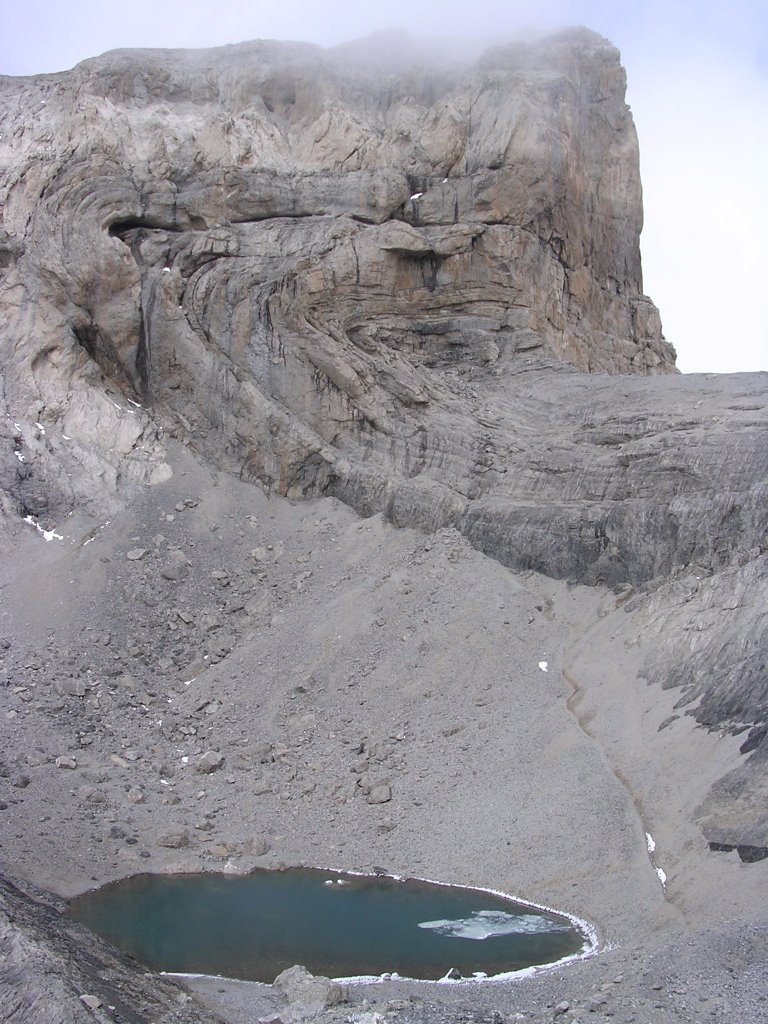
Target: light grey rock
209,762
307,995
71,687
380,793
176,567
92,795
173,840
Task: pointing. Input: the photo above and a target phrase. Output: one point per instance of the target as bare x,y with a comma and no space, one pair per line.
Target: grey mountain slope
241,284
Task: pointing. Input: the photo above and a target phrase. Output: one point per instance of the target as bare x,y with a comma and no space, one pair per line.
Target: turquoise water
254,926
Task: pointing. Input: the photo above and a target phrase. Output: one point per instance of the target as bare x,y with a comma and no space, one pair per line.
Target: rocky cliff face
298,257
416,289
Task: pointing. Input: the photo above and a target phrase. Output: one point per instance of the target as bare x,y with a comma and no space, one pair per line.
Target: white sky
698,88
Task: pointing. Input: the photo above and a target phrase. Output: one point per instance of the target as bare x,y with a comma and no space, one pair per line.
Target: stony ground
217,679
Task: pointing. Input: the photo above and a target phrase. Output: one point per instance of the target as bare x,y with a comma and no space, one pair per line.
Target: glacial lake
254,926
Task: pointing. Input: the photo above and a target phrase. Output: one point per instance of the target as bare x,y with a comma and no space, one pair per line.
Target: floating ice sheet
485,924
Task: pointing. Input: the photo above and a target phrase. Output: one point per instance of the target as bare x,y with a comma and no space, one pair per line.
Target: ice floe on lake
485,924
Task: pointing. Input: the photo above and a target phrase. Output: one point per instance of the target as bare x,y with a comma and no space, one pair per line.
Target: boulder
307,995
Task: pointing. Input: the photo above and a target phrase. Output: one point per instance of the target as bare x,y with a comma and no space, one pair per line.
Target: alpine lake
251,927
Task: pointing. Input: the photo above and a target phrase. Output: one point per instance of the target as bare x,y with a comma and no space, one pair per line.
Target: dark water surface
254,926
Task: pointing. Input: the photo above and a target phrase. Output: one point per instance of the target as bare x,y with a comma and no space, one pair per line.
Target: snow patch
544,666
650,842
47,534
417,195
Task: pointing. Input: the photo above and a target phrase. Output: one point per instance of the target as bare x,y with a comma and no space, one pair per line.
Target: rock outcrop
53,969
292,256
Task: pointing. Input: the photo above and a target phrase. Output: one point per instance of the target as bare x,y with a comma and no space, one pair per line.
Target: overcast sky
698,87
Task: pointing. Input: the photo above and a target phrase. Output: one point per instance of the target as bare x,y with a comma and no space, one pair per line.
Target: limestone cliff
293,253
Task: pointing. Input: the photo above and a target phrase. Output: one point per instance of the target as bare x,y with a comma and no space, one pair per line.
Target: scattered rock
453,730
306,994
92,795
209,762
381,793
71,687
92,1002
173,840
176,567
65,761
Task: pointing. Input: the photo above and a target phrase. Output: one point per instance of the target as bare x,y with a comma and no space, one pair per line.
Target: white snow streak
47,534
